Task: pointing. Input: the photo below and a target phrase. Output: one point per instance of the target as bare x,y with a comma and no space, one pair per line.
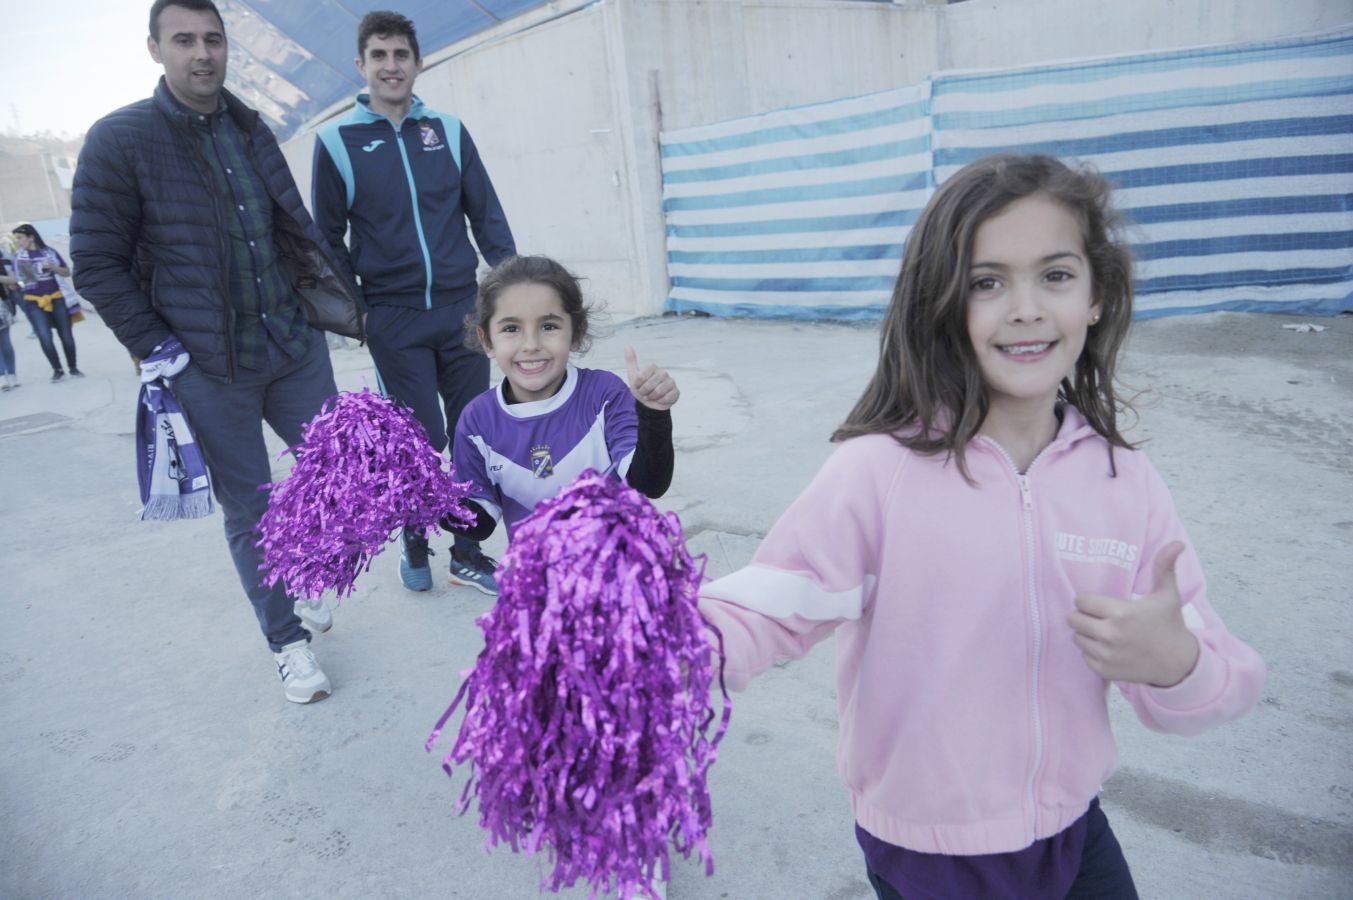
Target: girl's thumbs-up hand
651,386
1143,641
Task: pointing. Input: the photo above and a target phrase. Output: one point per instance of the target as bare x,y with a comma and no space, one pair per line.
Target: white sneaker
315,614
302,678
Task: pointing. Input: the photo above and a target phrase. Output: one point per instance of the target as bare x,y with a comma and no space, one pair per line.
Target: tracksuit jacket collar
362,111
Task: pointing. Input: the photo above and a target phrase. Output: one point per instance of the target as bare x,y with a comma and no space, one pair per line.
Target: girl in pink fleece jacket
992,553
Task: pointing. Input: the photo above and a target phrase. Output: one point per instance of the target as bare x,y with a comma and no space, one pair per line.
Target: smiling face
530,337
192,48
1030,300
390,67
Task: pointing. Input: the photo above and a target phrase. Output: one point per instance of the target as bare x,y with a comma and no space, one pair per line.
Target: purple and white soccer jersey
520,454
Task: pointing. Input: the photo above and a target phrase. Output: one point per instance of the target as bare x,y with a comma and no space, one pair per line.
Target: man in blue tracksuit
405,178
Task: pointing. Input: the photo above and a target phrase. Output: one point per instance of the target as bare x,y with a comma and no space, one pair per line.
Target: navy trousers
1103,875
423,363
227,420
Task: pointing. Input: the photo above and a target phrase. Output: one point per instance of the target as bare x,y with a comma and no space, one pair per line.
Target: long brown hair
927,391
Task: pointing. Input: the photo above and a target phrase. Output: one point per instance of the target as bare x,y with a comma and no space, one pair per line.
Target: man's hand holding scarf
165,361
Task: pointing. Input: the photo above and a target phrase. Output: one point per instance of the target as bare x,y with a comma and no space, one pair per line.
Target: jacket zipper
1036,618
1027,501
417,217
224,243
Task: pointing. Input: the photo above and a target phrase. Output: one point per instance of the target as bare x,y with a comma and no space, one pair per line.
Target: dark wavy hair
386,23
927,391
196,5
527,270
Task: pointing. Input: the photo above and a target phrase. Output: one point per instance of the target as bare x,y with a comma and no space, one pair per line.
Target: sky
66,63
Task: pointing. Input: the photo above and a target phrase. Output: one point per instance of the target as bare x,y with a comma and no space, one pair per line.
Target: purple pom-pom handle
364,469
588,713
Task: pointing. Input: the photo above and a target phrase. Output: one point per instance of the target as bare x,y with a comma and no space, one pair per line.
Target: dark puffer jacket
148,238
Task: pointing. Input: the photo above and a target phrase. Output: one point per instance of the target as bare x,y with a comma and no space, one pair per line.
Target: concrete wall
992,34
32,186
566,103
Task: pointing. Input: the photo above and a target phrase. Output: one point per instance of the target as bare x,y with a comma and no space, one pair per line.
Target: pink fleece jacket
970,723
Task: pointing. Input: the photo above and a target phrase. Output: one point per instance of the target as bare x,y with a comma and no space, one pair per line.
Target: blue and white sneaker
474,570
302,678
315,614
414,570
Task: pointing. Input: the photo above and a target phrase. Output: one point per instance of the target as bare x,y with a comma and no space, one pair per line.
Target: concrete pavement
146,749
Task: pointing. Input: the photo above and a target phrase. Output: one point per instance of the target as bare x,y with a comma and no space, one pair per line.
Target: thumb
632,364
1165,563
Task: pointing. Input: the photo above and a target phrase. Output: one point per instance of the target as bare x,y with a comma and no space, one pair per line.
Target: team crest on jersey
429,136
542,463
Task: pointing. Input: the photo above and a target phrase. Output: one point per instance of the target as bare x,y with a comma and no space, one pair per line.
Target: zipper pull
1024,492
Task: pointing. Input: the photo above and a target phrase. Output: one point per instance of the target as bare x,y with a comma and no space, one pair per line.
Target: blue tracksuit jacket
407,191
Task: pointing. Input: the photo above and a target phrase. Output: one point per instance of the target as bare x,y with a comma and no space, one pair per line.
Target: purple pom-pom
588,715
364,469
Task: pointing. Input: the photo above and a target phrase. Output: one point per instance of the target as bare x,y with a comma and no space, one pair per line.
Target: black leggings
1103,875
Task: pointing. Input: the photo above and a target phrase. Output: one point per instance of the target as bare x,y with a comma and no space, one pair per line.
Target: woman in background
43,303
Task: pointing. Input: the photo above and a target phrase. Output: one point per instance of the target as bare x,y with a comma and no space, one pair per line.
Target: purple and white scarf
169,464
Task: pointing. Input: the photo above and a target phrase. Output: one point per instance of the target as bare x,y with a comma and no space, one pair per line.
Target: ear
153,47
484,342
1096,311
360,64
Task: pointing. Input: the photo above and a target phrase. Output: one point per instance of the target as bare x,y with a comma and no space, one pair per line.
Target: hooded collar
1072,429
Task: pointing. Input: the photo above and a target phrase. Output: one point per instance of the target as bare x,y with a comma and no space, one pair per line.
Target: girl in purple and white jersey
548,420
43,303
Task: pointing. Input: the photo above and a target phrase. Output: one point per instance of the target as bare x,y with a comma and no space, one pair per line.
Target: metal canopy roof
292,59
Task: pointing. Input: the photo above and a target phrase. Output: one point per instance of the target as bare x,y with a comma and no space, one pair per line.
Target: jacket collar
1072,429
362,111
245,117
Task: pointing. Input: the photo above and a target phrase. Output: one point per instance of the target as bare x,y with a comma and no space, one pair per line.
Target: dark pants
43,322
1103,875
227,420
422,362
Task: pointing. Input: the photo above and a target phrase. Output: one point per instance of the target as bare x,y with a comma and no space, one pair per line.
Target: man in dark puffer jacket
189,236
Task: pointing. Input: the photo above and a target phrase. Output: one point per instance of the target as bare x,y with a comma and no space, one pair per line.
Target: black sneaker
414,570
475,570
58,375
76,373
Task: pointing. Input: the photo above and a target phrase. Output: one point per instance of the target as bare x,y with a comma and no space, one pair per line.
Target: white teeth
1020,349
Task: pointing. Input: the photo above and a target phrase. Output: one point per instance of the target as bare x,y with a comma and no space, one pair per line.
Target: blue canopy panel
294,60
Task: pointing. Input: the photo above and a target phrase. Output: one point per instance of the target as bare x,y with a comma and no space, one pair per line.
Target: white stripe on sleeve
780,594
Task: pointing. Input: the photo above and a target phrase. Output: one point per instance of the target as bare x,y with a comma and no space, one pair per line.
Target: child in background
548,421
992,553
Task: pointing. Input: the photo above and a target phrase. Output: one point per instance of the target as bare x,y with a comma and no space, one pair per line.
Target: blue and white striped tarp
800,212
1234,164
